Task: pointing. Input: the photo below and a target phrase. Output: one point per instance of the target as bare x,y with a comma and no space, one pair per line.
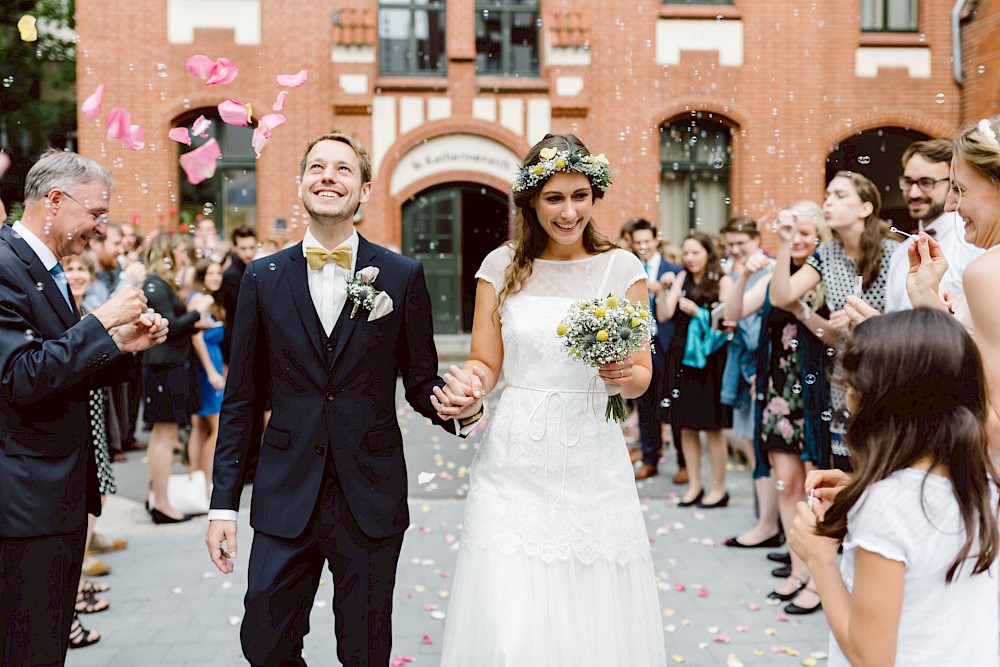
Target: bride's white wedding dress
554,565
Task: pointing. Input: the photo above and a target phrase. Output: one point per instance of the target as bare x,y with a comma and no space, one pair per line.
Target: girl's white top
913,518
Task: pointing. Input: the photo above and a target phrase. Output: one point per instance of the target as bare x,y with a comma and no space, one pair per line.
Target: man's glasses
925,184
98,217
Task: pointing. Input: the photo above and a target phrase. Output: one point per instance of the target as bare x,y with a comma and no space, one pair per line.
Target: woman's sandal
92,587
785,597
88,603
80,636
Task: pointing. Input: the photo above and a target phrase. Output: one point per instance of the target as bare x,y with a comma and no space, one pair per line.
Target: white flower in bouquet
603,331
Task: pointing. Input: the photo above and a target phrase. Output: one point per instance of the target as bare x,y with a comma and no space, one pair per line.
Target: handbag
187,493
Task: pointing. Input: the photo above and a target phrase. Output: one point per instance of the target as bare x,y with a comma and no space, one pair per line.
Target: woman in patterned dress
80,273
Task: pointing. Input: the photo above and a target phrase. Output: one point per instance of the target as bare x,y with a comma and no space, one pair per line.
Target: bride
554,566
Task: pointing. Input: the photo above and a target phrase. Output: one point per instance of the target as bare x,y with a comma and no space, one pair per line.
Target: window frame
431,7
884,6
692,170
507,9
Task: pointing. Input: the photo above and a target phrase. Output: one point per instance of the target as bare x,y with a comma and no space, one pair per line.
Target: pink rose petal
200,125
180,135
753,606
680,588
272,120
224,71
722,638
430,607
703,593
777,649
742,628
261,135
426,639
233,112
200,66
779,616
120,126
401,660
91,107
293,80
200,163
279,103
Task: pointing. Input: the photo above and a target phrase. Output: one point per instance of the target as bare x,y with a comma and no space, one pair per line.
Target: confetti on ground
177,591
234,620
753,606
401,660
425,477
733,661
426,639
721,638
437,615
677,658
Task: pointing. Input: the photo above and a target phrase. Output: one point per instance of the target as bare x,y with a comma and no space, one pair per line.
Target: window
230,196
507,37
411,37
695,161
889,15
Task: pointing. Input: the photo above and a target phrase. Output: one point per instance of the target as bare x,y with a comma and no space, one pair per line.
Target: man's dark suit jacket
226,296
49,360
334,399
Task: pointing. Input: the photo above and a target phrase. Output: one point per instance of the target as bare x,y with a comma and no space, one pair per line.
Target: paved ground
170,606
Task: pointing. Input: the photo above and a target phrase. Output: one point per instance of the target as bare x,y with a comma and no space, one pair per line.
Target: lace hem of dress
612,536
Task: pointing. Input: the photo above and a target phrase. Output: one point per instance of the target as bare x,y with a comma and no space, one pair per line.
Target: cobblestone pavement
170,606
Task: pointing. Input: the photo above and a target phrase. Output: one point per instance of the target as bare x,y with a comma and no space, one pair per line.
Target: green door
430,233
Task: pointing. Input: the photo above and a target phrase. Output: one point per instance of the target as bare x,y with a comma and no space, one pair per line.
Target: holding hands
462,394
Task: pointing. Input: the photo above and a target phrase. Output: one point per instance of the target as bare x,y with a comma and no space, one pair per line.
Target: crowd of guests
192,279
756,347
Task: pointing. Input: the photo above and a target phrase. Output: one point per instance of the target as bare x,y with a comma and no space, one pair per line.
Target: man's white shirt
958,253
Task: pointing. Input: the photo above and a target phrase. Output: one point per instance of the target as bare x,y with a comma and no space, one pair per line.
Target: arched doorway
450,228
876,154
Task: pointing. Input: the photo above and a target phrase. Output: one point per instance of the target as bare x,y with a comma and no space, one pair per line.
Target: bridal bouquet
603,331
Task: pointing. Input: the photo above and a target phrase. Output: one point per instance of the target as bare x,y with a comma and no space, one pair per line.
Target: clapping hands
462,394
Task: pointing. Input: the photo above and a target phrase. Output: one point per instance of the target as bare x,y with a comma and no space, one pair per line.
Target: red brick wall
981,61
794,97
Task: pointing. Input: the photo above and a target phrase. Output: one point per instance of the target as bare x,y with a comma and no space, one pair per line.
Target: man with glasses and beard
926,168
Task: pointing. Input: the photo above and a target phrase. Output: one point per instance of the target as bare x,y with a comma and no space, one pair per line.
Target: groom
331,480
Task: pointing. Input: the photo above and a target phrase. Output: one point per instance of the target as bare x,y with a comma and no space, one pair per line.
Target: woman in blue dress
211,380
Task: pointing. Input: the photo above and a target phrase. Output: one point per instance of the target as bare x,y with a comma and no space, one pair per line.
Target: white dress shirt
47,256
958,253
328,286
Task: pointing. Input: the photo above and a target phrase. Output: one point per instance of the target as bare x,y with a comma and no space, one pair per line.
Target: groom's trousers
284,575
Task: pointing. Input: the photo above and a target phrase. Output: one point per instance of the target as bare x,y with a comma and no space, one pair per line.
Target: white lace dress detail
554,566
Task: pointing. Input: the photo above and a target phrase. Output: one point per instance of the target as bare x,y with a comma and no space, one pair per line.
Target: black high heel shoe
721,502
770,543
785,597
161,518
694,501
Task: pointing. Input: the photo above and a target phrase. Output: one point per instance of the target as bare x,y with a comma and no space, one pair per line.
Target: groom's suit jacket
333,398
49,360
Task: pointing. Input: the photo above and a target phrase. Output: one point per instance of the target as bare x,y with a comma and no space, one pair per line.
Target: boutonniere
363,294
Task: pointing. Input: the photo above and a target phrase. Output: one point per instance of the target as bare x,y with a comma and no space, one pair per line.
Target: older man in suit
331,479
49,360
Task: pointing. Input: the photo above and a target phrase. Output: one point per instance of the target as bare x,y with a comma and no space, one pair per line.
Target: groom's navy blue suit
331,480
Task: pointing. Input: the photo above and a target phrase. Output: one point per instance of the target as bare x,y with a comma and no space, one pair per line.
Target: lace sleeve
494,266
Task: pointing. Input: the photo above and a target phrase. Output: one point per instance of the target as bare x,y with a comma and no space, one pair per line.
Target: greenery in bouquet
602,331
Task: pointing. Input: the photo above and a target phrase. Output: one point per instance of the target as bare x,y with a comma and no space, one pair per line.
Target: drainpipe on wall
956,41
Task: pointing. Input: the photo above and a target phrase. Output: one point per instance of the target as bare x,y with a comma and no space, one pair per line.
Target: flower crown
986,129
594,166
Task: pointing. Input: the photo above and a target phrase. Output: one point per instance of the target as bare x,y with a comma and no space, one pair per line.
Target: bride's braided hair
529,237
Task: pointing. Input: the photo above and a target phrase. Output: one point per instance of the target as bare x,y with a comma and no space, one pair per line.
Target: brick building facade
705,110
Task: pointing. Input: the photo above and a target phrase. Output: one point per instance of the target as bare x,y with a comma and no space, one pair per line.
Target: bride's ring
621,373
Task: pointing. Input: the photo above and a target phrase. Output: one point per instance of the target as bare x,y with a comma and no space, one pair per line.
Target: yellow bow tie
317,257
